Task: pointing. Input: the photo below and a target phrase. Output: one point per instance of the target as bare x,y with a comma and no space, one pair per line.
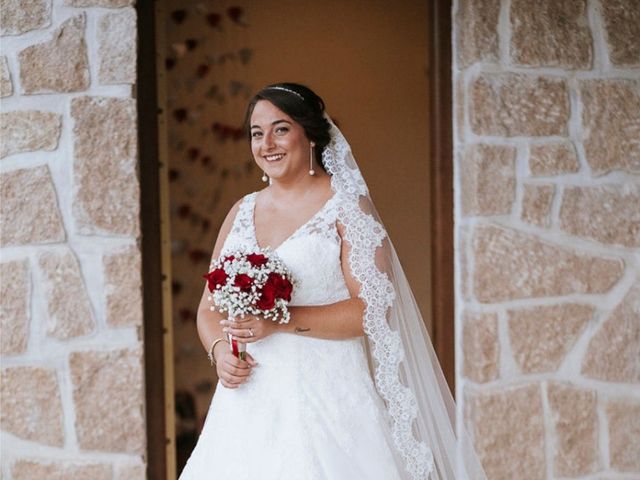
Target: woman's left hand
249,329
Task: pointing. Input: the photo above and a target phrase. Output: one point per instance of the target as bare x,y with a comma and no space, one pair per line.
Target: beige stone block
109,399
460,109
550,33
123,285
30,469
507,428
487,175
59,65
31,407
106,193
477,31
35,221
68,305
614,350
623,416
575,421
463,243
99,3
20,16
480,346
541,337
6,84
607,213
536,204
555,158
511,265
611,124
131,472
14,309
511,104
621,19
29,130
117,47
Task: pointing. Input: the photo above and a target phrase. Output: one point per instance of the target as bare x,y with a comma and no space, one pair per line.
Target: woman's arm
231,371
208,322
334,321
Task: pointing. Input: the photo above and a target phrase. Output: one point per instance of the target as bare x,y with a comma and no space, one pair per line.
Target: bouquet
256,283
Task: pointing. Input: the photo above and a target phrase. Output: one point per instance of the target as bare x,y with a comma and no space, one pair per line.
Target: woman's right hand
232,371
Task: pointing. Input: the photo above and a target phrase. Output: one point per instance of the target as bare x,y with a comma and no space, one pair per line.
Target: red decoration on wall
193,153
236,14
187,315
213,19
202,70
224,132
198,255
245,55
184,210
173,174
180,114
178,16
204,386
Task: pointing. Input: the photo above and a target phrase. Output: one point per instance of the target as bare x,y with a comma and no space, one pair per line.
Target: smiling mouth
274,158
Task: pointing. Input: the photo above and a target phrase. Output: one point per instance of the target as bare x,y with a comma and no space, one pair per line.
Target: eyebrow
273,123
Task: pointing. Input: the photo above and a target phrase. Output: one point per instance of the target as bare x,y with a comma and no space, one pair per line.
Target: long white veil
407,374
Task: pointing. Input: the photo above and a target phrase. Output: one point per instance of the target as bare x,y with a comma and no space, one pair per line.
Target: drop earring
264,177
312,172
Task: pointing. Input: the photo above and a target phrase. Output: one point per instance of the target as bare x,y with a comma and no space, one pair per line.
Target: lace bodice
312,252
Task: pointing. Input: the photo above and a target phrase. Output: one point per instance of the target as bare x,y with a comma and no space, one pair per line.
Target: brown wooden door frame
150,244
441,164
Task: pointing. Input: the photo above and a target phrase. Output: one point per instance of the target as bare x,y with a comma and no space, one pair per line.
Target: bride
350,388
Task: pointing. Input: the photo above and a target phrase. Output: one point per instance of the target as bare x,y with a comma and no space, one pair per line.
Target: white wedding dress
309,410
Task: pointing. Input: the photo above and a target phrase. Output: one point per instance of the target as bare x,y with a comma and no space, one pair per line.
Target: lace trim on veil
365,235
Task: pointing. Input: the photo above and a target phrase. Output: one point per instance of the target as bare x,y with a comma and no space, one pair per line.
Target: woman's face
278,143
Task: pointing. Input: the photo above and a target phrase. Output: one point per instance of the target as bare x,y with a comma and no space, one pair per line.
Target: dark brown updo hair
302,105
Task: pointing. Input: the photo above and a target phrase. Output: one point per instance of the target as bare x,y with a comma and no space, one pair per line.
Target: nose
267,141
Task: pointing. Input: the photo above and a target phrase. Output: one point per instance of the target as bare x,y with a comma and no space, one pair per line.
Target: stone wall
71,316
547,164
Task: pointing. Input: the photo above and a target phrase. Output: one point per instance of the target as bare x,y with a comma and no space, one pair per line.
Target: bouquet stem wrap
237,348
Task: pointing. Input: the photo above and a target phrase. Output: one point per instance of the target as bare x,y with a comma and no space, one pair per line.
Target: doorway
370,63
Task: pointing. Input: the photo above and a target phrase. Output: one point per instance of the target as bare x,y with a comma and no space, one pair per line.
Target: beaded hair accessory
287,90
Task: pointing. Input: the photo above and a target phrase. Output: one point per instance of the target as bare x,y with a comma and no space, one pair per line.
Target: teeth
272,158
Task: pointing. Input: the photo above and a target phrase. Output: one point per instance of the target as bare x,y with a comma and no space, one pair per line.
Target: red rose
282,286
228,258
243,281
216,278
284,290
268,298
257,259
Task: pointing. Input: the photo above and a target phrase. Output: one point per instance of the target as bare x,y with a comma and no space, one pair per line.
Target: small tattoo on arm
302,330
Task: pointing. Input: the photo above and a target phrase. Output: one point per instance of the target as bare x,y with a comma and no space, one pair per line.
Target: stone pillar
70,271
547,213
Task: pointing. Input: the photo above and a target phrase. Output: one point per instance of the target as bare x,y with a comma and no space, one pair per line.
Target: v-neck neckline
252,216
